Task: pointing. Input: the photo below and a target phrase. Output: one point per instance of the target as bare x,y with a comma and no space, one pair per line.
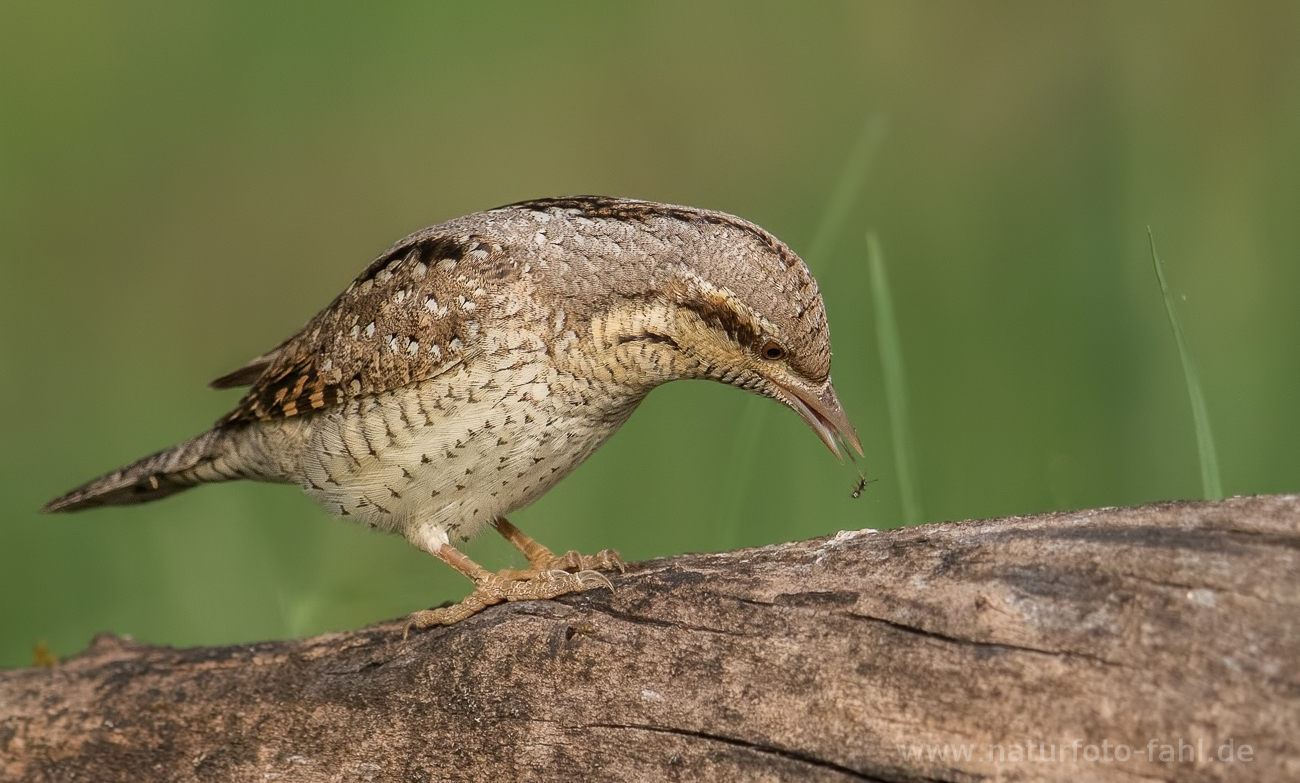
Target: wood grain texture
818,660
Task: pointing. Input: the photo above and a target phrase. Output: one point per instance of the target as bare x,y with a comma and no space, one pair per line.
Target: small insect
584,628
861,485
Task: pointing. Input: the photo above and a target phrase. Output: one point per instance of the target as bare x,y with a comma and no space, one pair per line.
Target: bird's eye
771,350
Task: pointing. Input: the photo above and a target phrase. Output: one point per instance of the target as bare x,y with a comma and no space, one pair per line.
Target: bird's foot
501,587
604,560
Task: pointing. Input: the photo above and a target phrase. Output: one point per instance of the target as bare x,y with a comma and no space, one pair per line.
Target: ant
861,485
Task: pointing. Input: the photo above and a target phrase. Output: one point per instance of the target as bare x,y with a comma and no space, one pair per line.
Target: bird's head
679,292
772,341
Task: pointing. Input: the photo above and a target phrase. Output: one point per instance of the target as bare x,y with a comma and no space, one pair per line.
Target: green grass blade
1210,483
891,367
846,190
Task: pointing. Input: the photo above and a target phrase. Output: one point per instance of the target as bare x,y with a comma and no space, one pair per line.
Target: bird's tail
199,460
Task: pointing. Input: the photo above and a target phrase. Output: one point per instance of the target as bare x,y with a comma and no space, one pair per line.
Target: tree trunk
1151,643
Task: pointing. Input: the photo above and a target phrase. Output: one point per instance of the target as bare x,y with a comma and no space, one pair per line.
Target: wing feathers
244,376
411,315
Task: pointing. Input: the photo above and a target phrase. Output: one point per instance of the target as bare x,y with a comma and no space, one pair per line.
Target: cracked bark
835,659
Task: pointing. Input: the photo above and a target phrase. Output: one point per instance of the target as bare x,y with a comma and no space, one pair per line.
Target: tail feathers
196,461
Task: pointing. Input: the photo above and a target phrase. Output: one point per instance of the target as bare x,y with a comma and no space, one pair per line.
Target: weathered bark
1162,628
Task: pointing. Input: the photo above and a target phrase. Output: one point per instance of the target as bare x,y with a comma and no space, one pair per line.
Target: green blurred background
182,185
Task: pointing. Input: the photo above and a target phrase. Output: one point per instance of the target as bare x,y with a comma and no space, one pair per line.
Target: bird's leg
542,559
490,588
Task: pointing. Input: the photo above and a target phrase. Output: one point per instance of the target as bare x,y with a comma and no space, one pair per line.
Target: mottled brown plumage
476,363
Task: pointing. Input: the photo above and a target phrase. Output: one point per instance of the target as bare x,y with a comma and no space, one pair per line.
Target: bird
476,363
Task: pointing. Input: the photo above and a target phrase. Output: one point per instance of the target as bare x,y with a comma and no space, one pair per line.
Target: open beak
821,409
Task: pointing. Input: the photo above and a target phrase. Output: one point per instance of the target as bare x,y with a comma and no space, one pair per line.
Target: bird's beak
821,409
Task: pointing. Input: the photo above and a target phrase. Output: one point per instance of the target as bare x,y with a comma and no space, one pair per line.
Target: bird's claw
508,586
606,559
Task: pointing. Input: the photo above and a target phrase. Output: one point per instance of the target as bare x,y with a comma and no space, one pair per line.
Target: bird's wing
412,315
250,372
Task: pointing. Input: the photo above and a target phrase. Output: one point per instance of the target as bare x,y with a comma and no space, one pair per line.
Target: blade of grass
891,369
1210,483
749,432
846,191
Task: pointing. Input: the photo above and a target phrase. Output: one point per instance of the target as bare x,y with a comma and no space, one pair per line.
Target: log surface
985,650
